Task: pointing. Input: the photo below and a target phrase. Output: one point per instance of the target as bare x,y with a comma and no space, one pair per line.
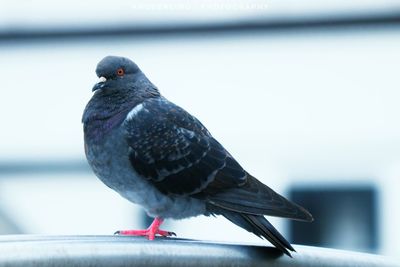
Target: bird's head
116,73
121,86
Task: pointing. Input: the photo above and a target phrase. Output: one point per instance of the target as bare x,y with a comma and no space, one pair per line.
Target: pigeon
157,155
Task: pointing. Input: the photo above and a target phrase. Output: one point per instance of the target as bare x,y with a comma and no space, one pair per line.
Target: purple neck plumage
104,112
96,129
108,108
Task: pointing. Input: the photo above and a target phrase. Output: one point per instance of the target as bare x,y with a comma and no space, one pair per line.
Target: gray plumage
157,155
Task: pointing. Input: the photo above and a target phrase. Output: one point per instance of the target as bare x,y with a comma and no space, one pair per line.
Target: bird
157,155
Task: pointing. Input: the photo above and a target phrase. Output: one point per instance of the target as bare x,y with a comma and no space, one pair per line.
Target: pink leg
151,232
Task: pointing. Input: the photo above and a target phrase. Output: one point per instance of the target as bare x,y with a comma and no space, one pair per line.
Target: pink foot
151,232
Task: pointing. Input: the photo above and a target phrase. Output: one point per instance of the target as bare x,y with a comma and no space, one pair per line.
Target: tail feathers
259,226
258,199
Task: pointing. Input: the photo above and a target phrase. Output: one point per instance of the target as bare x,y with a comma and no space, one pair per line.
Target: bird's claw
171,234
148,233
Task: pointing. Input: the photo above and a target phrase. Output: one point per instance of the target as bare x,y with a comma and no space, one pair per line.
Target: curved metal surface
26,250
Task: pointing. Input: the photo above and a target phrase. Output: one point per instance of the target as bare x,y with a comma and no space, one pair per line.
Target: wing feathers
175,153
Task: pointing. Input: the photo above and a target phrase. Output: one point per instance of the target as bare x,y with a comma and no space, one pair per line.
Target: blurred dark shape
366,20
30,167
345,217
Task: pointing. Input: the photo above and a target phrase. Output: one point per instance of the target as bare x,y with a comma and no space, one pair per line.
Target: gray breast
110,162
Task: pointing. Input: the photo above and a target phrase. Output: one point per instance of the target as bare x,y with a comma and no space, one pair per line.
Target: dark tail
256,198
259,226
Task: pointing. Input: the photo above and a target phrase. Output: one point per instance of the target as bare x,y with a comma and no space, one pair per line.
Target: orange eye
120,72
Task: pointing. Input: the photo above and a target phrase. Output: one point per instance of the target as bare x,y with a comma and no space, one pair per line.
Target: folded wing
176,153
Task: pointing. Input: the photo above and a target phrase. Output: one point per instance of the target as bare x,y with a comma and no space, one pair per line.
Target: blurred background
303,93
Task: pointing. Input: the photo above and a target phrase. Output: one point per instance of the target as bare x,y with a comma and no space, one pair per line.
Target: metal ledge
26,250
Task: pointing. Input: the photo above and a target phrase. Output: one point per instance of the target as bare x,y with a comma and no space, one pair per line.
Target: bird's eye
120,72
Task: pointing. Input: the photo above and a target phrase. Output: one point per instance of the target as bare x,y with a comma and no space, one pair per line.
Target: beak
100,84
